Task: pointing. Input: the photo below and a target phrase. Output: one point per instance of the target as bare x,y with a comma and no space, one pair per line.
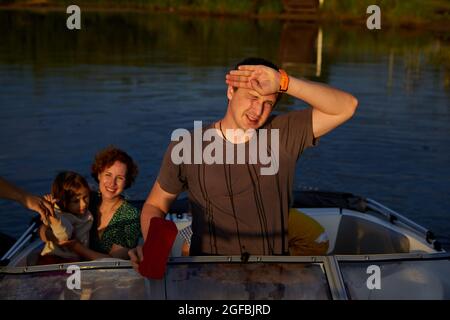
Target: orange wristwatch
284,81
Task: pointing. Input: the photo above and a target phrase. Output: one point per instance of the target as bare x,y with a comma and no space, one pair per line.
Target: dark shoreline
347,20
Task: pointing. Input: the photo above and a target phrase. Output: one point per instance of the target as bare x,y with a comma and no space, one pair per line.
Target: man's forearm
29,201
11,192
325,98
148,212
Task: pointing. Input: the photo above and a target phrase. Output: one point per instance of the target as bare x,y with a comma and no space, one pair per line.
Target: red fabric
160,238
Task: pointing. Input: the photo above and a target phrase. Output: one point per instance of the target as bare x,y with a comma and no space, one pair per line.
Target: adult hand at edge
136,256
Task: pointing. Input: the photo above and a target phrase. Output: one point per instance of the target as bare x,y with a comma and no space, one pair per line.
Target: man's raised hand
262,79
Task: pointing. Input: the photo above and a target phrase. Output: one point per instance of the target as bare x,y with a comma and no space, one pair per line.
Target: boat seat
360,236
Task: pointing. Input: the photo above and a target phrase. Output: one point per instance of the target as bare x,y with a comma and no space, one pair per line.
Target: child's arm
84,251
62,228
116,251
46,234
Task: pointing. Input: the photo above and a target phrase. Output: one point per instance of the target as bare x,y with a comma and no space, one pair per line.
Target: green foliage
392,10
206,6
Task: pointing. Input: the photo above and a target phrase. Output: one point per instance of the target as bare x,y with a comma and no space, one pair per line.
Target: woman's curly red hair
106,158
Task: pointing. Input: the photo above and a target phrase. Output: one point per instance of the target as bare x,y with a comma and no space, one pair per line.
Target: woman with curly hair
116,227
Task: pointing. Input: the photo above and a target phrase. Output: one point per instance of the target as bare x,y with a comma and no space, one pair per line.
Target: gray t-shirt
235,208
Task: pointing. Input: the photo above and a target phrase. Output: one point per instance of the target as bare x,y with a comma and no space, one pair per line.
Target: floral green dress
124,229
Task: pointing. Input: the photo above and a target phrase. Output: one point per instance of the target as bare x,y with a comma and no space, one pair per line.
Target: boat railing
395,217
23,240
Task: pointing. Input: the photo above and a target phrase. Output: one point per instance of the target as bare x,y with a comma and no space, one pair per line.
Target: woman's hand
262,79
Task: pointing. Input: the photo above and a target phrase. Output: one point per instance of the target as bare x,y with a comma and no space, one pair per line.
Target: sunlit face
112,180
79,203
249,109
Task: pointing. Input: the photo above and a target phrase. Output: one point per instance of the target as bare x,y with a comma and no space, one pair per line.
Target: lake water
130,79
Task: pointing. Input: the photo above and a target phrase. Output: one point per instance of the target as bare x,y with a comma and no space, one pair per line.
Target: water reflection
301,49
130,79
42,40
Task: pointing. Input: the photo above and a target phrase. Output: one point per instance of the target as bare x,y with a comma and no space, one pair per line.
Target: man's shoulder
282,120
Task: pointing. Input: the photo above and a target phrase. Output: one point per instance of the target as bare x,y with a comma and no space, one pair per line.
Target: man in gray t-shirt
236,207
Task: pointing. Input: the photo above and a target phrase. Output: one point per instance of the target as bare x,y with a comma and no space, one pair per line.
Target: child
71,218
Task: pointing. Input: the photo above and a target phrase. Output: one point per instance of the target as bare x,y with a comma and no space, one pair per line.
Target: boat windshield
423,280
184,281
248,281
